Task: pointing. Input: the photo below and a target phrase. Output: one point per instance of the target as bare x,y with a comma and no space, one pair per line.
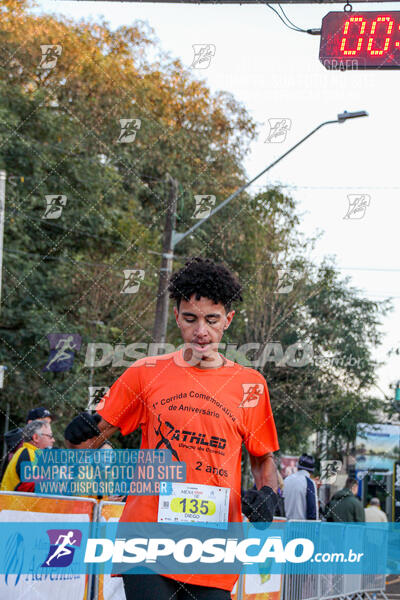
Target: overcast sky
276,73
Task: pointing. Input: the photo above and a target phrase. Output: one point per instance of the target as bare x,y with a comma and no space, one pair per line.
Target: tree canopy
60,131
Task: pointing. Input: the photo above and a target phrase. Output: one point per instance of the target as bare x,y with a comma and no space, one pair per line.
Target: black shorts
157,587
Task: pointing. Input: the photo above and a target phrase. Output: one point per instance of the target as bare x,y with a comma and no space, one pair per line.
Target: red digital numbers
360,40
374,33
359,21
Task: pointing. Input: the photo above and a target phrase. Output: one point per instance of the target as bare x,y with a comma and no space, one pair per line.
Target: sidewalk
393,587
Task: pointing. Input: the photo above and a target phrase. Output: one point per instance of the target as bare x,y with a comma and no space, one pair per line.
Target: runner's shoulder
248,372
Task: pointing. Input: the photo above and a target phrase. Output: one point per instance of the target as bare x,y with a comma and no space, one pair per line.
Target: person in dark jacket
344,506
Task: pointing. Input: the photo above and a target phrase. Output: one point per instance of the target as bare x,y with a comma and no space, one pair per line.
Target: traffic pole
2,212
161,318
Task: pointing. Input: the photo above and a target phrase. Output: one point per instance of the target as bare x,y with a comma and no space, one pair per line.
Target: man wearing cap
40,413
36,435
300,492
14,439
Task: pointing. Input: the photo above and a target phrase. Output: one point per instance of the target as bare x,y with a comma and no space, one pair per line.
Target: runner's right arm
88,431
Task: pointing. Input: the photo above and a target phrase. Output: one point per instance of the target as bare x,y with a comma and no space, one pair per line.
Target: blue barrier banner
103,472
50,549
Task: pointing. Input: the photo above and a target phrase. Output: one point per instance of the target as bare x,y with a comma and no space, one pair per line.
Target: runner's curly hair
205,278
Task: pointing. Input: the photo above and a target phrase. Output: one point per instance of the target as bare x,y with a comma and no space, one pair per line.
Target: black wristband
259,505
82,428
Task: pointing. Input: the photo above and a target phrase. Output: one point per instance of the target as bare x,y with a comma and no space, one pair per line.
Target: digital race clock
360,40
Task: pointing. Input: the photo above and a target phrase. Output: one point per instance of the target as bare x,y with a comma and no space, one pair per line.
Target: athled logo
251,394
63,543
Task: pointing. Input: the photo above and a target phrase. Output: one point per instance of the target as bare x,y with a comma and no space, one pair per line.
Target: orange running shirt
203,416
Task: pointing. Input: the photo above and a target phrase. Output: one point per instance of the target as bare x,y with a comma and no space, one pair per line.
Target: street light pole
178,237
160,326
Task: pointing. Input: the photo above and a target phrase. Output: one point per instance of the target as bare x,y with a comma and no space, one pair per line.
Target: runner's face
202,324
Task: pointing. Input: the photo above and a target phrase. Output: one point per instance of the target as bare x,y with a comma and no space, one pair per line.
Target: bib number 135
193,506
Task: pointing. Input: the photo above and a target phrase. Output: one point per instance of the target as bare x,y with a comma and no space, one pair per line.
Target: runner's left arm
259,505
264,471
261,441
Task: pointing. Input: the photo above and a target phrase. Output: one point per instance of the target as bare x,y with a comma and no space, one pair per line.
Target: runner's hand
82,428
259,505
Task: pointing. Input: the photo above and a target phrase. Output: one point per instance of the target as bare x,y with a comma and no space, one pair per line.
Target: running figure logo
50,54
251,394
286,281
129,128
133,279
330,470
203,54
278,130
54,206
97,397
358,204
204,205
163,435
63,543
62,351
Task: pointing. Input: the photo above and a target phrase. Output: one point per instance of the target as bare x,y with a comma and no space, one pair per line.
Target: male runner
211,405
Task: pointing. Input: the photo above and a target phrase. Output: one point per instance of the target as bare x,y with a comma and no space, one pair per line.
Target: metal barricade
374,584
330,586
338,586
301,586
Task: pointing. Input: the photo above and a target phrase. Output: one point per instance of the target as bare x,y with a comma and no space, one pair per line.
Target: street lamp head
342,117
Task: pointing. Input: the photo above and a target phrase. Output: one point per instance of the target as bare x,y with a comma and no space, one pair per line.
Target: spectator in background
35,435
373,512
344,506
40,413
13,437
300,492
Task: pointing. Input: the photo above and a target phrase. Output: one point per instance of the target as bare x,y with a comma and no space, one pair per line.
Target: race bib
193,503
